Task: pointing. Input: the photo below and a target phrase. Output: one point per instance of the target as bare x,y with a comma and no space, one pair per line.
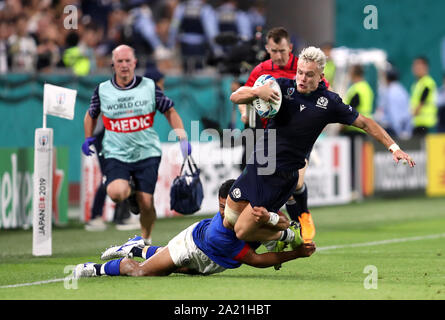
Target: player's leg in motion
145,177
147,213
248,228
297,208
159,264
118,190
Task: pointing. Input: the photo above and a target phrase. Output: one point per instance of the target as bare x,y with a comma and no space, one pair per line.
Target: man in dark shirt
307,107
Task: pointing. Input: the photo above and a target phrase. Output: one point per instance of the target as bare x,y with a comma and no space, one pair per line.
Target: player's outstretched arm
377,132
246,94
269,259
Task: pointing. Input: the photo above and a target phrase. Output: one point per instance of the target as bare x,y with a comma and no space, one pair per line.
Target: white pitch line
341,246
32,283
381,242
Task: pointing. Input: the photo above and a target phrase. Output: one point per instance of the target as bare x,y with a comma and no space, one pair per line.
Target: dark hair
423,59
277,34
72,39
392,75
357,70
328,44
20,16
225,188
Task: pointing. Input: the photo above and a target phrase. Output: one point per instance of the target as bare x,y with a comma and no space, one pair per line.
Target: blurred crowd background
39,36
215,37
203,47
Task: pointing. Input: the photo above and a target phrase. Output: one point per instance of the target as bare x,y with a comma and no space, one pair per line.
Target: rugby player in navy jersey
307,107
206,247
283,64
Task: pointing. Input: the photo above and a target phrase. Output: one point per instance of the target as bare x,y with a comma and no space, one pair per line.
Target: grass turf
405,270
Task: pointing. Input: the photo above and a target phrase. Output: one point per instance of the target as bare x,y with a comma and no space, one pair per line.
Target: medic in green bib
131,147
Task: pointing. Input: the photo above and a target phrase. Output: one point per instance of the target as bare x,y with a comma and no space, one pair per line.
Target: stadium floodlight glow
60,102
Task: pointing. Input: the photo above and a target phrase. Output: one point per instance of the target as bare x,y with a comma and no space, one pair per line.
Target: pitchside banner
328,174
327,177
435,145
216,165
16,187
42,204
91,178
394,179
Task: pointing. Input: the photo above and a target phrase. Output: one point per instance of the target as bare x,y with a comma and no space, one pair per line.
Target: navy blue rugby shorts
144,172
269,191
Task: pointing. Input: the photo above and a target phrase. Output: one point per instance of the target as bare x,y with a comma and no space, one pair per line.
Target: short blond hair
313,54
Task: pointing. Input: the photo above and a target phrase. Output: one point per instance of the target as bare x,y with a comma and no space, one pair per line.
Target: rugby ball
266,109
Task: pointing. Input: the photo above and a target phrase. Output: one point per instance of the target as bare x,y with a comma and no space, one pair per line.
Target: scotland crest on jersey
322,102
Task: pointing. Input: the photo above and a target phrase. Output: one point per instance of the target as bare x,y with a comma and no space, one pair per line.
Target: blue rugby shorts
144,172
269,191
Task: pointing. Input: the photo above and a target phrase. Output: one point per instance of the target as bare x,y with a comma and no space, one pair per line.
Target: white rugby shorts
185,253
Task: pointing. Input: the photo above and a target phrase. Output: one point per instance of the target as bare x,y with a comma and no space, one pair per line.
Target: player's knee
117,196
118,190
299,186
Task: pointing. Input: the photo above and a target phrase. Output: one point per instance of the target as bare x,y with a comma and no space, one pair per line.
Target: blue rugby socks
145,252
110,268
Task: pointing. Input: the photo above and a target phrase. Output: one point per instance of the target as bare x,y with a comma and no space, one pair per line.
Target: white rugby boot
84,270
116,252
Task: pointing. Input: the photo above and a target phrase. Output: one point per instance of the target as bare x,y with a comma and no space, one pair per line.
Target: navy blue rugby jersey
301,119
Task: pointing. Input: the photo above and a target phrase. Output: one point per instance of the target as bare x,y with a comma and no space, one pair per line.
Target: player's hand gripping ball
267,109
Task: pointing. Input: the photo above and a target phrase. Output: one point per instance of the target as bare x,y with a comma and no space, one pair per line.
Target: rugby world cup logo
60,102
289,93
43,140
60,99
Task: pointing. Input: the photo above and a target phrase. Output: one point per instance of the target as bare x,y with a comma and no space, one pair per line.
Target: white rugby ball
266,109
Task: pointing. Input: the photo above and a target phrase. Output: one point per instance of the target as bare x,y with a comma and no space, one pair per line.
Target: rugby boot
307,227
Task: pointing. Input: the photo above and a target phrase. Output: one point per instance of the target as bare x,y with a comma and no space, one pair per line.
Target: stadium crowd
178,36
50,35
